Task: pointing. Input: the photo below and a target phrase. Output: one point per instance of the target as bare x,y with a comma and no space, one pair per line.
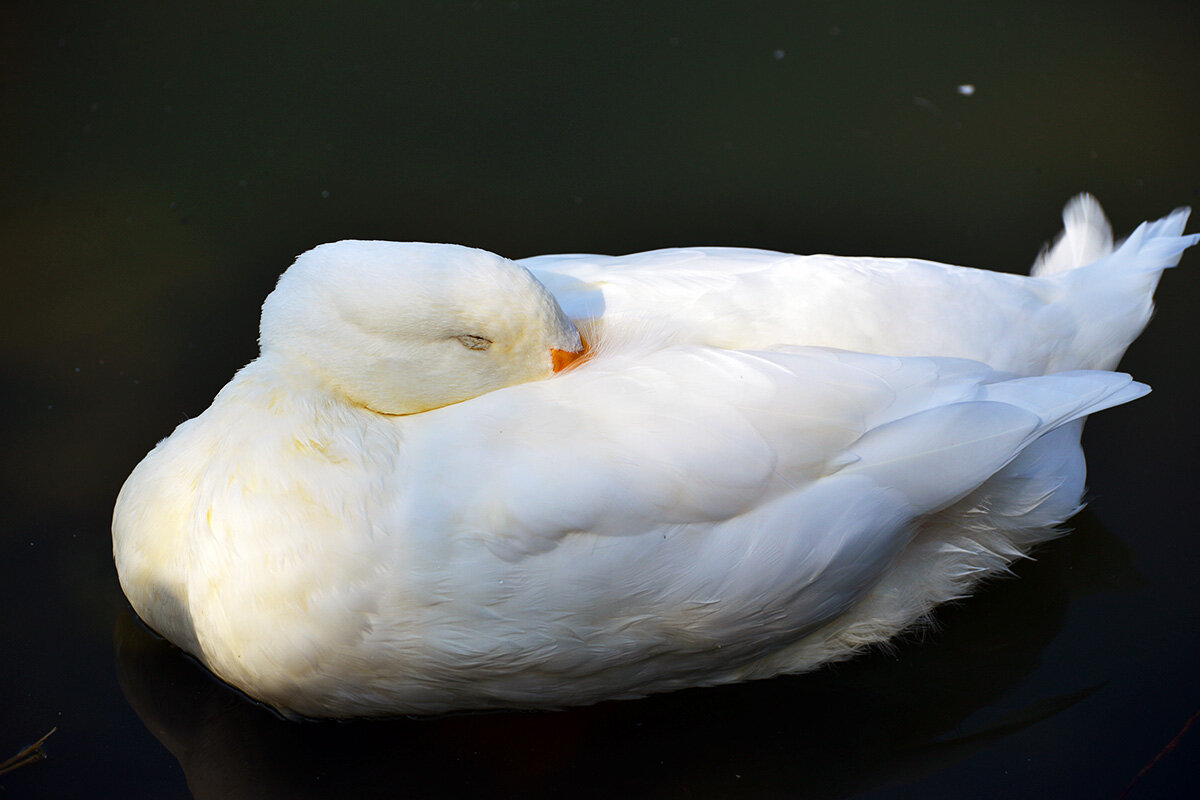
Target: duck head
403,327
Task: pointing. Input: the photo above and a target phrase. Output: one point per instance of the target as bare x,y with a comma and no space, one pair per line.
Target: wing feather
773,490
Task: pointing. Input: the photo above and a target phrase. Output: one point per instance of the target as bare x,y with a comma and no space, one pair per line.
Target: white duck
399,507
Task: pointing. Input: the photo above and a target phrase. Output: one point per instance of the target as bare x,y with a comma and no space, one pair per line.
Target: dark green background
161,163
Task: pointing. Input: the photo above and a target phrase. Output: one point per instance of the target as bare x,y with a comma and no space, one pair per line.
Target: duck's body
690,506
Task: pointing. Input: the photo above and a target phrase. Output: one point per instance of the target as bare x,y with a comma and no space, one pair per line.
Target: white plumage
400,507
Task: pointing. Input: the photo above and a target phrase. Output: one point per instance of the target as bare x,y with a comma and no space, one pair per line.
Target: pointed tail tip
1163,239
1179,217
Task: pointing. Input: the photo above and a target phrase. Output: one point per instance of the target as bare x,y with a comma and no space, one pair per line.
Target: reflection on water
885,718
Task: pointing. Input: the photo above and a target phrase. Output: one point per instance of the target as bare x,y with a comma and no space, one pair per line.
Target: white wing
767,494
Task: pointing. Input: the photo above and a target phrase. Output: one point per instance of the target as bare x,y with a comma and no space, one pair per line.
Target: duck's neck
269,415
279,387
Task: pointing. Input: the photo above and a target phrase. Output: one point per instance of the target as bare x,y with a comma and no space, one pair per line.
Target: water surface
163,164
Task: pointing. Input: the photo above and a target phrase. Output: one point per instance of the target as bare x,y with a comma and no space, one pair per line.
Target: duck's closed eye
474,342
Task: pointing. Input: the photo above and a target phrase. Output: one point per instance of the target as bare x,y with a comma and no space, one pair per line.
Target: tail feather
1112,296
1086,237
1159,244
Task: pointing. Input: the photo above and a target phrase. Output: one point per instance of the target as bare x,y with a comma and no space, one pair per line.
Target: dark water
163,162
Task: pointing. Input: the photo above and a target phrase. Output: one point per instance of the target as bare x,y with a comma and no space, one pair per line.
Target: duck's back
1081,309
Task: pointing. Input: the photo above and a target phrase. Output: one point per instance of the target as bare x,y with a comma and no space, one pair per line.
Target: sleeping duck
453,481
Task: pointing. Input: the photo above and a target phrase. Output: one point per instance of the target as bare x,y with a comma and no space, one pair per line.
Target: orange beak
563,359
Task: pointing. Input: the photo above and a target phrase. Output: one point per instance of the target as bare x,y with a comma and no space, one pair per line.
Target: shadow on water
889,717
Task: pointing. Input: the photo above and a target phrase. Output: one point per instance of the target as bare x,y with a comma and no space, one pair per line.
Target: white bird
413,502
